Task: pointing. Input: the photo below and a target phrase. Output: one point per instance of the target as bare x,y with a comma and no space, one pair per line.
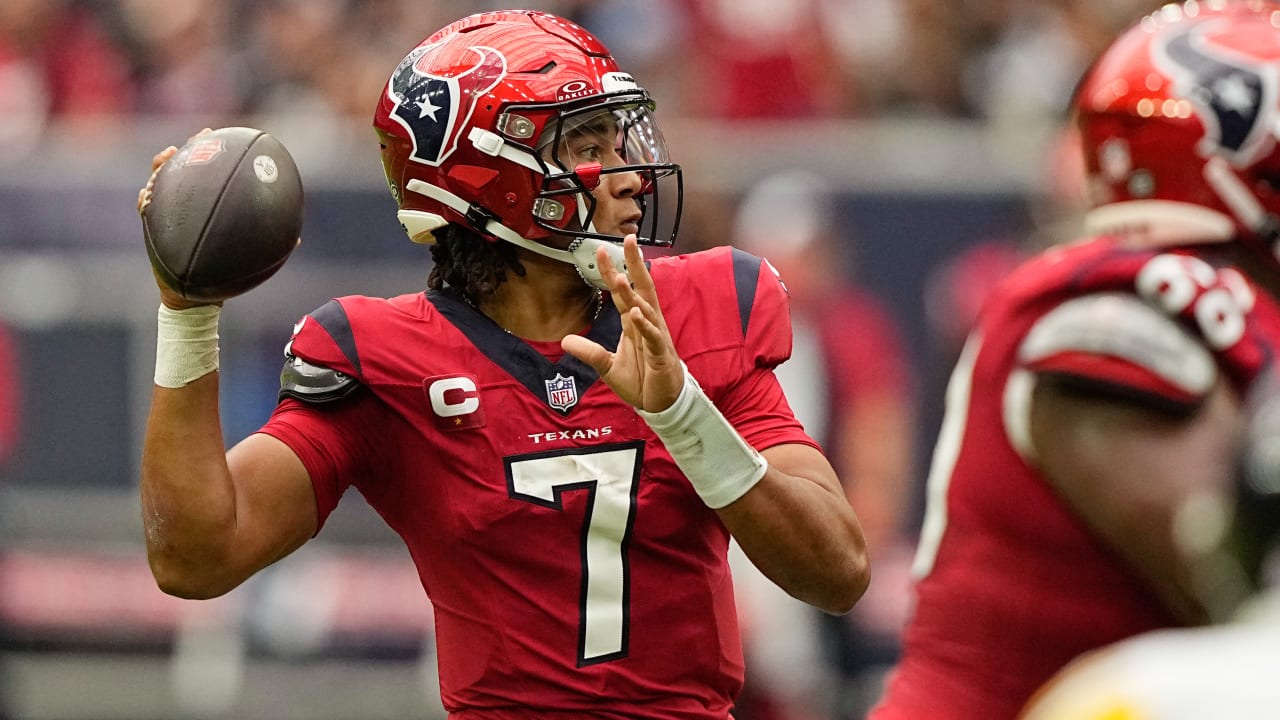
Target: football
225,214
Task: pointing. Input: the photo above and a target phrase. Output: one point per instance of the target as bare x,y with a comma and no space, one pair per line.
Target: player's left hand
644,370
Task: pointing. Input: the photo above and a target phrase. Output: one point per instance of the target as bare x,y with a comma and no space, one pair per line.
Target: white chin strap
581,253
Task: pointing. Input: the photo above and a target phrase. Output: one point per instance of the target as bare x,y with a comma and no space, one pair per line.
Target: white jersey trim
1016,412
945,455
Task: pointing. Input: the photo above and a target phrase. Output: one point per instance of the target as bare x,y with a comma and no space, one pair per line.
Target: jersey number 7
610,474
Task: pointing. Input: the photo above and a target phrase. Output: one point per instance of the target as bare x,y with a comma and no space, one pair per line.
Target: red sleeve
725,301
757,408
768,320
335,443
731,319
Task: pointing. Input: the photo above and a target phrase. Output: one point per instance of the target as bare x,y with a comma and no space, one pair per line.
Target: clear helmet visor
621,139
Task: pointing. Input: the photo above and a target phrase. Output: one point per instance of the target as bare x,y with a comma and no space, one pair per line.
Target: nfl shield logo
562,392
203,151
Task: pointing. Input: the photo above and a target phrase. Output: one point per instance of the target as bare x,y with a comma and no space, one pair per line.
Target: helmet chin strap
581,252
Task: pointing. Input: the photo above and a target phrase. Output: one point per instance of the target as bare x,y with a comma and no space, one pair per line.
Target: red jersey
1011,583
569,563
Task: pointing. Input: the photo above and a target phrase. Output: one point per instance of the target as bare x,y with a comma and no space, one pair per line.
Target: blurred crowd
739,59
103,63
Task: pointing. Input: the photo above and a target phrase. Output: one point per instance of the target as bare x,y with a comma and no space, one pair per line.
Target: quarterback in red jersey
564,435
1098,399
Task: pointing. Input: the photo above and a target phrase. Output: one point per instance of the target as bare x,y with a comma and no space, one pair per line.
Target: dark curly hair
471,263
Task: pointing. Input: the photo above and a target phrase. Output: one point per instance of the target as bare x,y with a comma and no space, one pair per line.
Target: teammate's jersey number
610,475
1217,300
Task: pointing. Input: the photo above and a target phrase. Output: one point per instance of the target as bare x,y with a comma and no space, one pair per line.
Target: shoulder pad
310,383
724,299
1114,344
1117,338
763,309
1125,329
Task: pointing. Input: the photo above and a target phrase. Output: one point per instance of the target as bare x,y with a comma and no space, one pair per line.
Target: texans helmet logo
1230,94
433,108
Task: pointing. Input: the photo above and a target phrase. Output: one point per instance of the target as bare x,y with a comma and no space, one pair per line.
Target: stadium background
937,125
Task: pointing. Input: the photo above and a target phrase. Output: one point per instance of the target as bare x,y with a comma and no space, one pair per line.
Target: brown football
225,214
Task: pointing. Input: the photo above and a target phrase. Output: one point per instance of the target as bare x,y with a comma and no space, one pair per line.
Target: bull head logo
434,108
1232,94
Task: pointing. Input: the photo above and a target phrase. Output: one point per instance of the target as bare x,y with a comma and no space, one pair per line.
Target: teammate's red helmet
471,120
1179,120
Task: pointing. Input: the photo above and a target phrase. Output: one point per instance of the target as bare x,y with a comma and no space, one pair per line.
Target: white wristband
186,344
720,465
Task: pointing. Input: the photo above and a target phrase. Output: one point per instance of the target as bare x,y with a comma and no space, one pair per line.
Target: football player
1099,394
564,435
1226,671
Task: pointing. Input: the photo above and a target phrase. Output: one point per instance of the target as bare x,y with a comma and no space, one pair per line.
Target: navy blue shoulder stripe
746,275
526,365
333,318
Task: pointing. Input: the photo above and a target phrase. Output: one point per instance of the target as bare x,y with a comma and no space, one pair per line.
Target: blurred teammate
565,458
1227,671
1099,394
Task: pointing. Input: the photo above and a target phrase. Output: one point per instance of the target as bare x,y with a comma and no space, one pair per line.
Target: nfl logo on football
562,392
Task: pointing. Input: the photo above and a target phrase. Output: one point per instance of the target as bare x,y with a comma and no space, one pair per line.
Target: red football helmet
1179,121
475,122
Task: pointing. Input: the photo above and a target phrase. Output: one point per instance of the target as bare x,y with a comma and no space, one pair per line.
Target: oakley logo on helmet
573,90
1229,93
434,109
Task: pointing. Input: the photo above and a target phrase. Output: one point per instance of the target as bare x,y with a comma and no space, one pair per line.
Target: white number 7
610,475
